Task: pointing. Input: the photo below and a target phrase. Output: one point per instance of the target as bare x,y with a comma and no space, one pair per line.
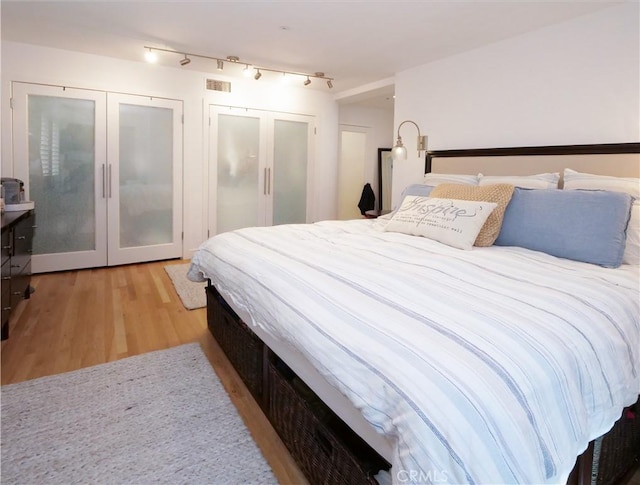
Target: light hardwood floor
76,319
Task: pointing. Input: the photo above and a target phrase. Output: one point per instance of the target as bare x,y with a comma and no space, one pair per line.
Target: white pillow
586,181
579,180
538,181
456,223
449,178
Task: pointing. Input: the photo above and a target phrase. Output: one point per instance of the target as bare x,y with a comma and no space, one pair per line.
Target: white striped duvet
496,365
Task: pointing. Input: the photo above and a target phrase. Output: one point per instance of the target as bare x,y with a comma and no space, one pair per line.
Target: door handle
264,188
104,183
269,181
109,180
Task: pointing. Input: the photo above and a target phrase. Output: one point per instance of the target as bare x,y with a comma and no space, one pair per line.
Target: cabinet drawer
6,272
6,299
23,237
19,264
20,286
6,245
6,295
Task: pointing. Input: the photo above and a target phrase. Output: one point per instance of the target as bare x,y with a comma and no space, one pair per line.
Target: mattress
495,365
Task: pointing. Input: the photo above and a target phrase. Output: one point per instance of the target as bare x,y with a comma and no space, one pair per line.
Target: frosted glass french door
143,183
259,166
83,183
60,148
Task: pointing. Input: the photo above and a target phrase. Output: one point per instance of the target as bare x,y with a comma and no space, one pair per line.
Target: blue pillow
583,225
421,190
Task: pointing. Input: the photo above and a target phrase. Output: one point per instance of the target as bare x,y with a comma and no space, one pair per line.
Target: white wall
571,83
22,62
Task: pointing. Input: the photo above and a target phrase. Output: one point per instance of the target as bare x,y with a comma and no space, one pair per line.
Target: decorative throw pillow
628,185
449,178
537,181
500,194
583,225
452,222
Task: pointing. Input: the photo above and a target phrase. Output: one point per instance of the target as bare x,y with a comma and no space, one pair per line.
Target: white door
144,179
59,147
259,164
351,173
99,201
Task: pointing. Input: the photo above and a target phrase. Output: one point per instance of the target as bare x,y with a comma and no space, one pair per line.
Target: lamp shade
399,152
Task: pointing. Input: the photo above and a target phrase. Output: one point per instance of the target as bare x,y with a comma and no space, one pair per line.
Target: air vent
215,85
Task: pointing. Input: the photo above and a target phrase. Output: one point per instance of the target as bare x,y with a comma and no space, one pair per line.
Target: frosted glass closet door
290,166
60,151
238,174
259,166
144,177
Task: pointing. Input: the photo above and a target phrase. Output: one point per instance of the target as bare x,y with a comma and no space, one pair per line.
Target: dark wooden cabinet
17,245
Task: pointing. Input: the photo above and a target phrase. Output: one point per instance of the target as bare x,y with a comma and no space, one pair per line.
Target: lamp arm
408,121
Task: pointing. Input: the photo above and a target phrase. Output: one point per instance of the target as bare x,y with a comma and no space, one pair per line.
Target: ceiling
355,42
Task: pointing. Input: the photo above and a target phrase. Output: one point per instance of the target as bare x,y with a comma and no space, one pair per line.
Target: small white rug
160,417
192,294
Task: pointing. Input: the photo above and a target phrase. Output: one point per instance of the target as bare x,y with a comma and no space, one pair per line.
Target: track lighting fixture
151,56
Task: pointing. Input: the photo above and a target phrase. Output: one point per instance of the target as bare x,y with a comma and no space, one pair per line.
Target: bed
498,364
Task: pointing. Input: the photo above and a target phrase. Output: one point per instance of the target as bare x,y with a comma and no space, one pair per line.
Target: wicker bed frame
325,448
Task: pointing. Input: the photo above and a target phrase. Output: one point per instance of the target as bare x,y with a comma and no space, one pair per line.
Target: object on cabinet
13,196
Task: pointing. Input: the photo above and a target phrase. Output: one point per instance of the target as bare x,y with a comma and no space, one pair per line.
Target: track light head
150,56
258,75
329,83
185,61
307,81
220,64
233,59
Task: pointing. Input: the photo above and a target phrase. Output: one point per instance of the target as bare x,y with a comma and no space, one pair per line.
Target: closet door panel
237,155
144,175
290,170
60,152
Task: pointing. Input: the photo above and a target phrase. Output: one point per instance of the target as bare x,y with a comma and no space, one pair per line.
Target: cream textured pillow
452,222
500,194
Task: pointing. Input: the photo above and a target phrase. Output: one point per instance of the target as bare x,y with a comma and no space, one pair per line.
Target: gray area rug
192,294
161,417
